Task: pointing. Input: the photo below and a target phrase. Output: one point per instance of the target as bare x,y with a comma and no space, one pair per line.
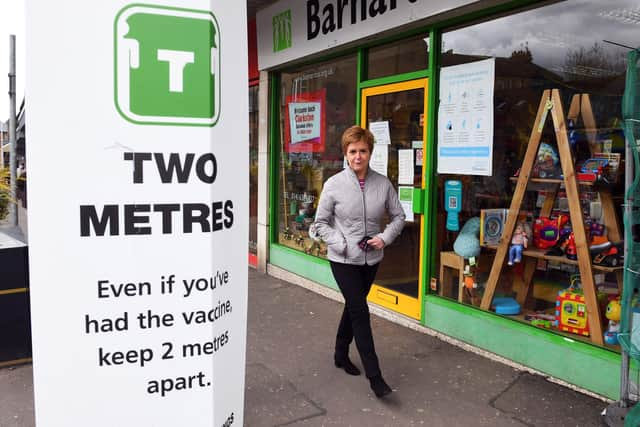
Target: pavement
291,380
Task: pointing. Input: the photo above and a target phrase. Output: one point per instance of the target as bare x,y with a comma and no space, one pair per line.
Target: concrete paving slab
16,397
534,401
274,400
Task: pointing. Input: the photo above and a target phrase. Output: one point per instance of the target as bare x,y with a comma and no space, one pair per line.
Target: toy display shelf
552,181
551,106
540,254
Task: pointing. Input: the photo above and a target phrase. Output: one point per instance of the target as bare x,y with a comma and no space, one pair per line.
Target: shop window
542,54
402,56
317,103
253,170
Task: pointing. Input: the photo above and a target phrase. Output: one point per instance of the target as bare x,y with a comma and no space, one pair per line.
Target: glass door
403,108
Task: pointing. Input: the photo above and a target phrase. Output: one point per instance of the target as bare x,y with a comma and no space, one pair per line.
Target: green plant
5,193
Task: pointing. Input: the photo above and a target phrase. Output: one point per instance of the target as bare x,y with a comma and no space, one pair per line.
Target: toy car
613,256
593,170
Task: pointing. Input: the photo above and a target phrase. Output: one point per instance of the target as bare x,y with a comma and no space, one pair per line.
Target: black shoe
379,387
347,365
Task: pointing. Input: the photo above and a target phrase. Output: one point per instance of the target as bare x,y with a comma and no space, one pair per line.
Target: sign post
138,201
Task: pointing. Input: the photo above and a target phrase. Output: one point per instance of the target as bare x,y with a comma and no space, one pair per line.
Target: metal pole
2,165
13,216
624,363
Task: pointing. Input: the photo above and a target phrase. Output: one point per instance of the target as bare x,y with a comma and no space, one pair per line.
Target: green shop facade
489,117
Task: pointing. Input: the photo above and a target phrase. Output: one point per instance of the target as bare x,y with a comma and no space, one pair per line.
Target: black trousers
355,282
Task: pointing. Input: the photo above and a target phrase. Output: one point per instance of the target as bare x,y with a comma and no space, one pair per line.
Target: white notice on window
405,167
380,131
380,158
465,118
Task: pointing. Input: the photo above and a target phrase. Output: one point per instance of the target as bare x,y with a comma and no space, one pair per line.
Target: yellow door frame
379,295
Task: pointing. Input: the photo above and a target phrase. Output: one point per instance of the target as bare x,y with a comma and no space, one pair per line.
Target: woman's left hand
376,242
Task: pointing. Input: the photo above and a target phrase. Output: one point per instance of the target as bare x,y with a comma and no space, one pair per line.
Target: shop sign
138,216
292,29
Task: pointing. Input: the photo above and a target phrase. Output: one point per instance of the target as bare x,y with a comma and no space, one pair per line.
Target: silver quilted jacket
345,214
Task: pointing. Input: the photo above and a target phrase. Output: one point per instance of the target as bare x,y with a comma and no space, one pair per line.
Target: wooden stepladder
581,107
550,104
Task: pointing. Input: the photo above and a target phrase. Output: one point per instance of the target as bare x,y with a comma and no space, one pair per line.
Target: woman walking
352,206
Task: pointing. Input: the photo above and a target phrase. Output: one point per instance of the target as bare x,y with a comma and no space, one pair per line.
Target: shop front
499,126
254,80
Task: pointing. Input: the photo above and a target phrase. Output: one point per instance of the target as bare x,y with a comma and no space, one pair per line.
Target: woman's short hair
356,134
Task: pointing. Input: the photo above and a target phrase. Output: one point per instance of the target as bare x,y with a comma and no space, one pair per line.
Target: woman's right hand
376,243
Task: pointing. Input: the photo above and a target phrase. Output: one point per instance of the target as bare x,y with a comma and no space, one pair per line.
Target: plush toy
467,243
547,231
613,314
519,241
547,162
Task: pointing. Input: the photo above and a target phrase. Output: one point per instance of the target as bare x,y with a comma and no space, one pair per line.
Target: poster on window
380,158
465,118
304,127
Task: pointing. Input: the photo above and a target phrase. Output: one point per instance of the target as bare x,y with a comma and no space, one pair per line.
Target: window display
317,103
253,169
549,217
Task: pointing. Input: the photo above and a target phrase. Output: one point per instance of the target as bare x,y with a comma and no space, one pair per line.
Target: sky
12,21
584,23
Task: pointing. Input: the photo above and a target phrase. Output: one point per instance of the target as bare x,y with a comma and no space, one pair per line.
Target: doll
613,314
519,241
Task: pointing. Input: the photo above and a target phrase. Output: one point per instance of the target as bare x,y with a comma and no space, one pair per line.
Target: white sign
138,217
380,158
405,167
304,120
292,29
380,131
465,118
